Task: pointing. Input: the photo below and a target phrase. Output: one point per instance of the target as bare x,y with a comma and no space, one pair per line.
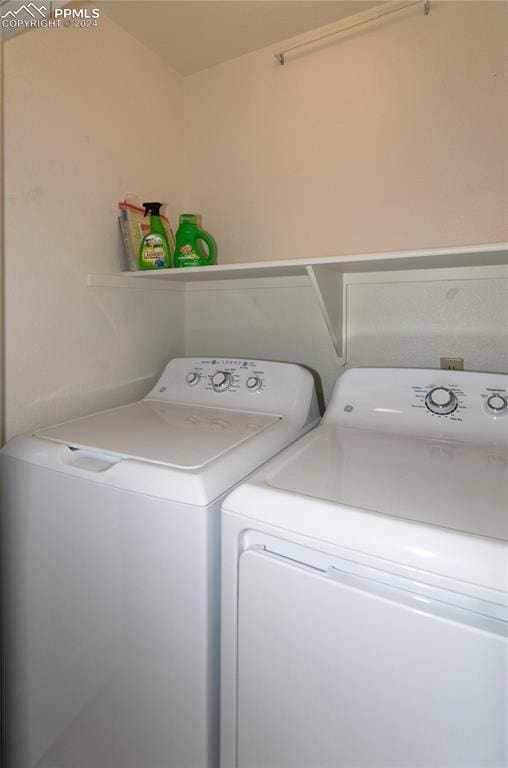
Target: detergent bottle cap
152,208
189,218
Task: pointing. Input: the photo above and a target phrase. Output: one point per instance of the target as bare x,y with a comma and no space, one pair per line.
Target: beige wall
89,116
394,137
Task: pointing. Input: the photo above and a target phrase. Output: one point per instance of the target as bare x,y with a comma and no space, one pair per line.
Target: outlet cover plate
452,363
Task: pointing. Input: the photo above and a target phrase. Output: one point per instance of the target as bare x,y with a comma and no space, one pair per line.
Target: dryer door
340,670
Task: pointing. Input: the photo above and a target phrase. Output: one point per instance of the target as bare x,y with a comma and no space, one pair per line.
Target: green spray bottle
154,250
188,253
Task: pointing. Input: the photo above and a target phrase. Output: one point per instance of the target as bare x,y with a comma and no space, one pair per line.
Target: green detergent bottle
154,250
188,252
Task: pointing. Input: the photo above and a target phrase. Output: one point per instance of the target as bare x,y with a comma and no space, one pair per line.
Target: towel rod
350,23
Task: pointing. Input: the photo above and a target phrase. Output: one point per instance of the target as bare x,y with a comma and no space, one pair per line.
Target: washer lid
453,485
180,436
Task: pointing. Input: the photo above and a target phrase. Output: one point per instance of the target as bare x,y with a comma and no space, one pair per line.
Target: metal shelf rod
354,21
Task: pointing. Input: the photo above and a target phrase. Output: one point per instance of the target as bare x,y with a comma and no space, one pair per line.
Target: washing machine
111,565
365,583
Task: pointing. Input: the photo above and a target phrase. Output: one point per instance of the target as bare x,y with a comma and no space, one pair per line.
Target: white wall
393,137
272,319
89,116
391,319
413,320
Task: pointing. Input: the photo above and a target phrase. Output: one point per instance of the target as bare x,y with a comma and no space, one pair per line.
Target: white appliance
111,565
365,583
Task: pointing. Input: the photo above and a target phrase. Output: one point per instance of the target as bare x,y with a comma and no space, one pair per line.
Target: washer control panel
240,384
221,376
427,402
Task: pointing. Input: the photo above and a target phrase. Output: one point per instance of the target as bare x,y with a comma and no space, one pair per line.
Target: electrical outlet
452,363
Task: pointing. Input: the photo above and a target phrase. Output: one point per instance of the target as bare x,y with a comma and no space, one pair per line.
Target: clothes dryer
364,583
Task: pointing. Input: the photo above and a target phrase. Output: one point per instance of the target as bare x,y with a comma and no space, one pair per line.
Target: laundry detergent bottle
154,250
188,251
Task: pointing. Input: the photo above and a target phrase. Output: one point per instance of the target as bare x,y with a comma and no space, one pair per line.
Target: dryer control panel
241,384
423,402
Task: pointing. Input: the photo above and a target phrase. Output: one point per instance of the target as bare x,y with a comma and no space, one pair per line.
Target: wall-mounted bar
350,23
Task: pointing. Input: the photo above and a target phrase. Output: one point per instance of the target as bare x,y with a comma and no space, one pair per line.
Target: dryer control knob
497,404
441,401
221,381
254,383
192,378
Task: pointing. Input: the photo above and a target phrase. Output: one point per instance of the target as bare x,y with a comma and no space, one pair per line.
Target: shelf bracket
328,285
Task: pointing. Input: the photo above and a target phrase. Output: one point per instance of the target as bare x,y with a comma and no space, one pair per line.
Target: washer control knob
497,404
192,378
221,381
254,383
441,400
